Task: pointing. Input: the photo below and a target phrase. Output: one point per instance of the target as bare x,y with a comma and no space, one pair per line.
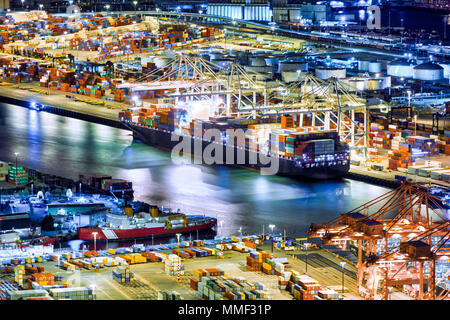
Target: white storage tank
257,64
356,84
401,68
374,66
330,72
363,65
291,76
446,70
428,71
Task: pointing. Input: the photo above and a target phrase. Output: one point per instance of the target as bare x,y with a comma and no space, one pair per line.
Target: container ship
156,223
305,152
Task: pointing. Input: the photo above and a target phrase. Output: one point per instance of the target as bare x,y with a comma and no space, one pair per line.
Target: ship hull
86,233
286,167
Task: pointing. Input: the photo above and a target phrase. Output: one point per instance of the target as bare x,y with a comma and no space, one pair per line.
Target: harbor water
241,198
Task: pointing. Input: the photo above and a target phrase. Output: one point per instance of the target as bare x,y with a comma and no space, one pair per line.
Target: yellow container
111,251
267,266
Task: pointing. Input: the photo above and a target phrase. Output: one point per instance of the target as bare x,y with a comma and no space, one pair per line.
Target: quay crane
405,233
327,103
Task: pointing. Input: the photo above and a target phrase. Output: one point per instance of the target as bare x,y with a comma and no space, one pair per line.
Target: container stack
221,287
19,272
17,175
42,279
150,256
3,171
123,274
255,260
303,287
76,293
328,294
283,279
173,265
162,295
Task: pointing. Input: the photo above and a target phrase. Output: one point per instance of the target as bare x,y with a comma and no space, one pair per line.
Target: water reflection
240,197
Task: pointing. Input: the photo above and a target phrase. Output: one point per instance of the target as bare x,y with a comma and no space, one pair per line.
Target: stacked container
3,171
17,175
76,293
219,288
19,271
173,265
123,274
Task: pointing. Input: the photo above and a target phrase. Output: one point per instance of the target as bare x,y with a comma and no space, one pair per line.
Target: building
432,4
18,222
250,10
288,12
4,5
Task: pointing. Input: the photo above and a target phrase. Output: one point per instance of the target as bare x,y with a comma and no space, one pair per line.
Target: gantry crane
327,102
401,231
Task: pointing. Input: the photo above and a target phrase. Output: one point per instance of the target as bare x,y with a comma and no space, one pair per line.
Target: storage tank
292,65
375,84
446,70
428,71
257,64
363,65
374,66
329,72
356,84
272,60
401,68
291,76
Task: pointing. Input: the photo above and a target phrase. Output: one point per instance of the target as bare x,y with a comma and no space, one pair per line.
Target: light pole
342,265
271,226
93,288
178,262
429,146
221,242
409,102
95,240
225,37
306,259
16,154
80,189
135,3
41,6
415,124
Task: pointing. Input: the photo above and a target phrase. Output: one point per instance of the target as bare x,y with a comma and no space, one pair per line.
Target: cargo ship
156,223
309,153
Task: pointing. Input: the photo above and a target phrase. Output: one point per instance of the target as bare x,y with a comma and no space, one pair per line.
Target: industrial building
253,10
